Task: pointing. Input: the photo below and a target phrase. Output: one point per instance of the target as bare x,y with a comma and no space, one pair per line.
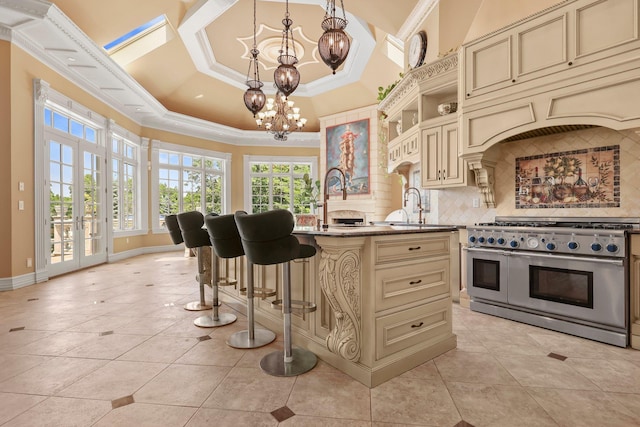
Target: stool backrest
224,235
192,232
171,221
266,236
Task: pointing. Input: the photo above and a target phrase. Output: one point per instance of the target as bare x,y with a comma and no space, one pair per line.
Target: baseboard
17,282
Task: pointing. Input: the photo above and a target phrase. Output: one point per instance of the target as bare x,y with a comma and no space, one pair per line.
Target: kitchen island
383,296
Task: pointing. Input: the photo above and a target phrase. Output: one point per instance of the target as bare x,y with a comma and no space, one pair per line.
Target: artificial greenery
311,190
383,92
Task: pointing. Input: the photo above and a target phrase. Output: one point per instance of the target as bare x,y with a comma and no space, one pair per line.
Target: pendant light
287,76
254,98
334,44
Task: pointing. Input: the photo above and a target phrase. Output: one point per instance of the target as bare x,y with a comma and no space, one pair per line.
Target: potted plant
311,192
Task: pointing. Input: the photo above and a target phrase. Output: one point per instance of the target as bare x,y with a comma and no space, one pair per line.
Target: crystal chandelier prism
334,43
281,117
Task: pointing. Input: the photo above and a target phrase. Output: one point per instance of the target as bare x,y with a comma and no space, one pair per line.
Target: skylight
140,41
136,33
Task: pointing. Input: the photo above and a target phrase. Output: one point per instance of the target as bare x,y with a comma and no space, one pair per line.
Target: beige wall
17,72
5,159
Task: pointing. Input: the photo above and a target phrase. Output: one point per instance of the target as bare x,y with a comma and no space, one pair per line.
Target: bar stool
267,239
195,236
226,243
171,221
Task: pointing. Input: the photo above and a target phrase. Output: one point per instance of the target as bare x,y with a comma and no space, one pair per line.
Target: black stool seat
267,239
226,243
171,221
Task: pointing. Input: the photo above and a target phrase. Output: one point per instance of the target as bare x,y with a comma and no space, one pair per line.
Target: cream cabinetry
404,149
634,294
440,161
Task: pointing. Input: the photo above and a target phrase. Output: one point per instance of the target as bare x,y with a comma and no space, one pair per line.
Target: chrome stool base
274,364
197,306
210,322
261,337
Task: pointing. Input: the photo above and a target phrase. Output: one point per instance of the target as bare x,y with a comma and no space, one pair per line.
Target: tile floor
112,346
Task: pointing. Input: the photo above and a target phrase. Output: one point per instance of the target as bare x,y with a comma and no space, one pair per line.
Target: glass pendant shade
286,78
334,43
254,98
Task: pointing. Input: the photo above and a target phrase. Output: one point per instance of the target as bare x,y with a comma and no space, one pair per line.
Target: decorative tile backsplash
585,178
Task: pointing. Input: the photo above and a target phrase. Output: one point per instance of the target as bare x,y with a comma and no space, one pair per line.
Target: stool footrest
260,292
227,282
297,306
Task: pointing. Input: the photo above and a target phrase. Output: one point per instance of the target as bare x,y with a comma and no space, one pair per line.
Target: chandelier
254,98
287,76
281,117
334,44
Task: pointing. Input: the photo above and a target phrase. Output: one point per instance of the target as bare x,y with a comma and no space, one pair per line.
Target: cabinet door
430,158
452,165
395,155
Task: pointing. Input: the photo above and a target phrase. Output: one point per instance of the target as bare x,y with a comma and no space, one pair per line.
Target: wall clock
417,49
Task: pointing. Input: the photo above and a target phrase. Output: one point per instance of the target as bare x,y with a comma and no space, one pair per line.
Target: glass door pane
62,209
92,210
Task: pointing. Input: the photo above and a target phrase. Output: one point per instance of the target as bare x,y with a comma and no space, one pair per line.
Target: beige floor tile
51,376
456,365
144,326
610,375
250,389
114,380
101,324
306,421
584,408
630,401
413,401
160,349
12,405
146,415
571,346
183,385
59,411
223,418
426,371
543,371
498,406
108,347
14,364
503,342
56,344
212,352
330,395
11,341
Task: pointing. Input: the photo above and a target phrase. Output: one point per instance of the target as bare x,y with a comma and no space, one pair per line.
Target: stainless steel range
565,274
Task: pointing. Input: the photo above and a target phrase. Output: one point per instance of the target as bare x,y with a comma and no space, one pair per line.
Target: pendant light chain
254,98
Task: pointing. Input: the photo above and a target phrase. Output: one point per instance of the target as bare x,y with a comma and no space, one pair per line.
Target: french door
76,224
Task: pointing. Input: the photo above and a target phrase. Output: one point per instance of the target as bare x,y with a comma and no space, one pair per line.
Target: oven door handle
490,251
618,262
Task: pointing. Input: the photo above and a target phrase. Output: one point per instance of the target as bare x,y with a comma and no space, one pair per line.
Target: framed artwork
424,194
587,178
348,149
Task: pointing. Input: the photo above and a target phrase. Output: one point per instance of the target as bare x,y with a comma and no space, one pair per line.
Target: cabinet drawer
406,328
402,285
407,249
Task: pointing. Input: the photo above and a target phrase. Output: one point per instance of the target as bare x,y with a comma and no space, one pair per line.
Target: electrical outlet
21,186
29,262
476,202
21,205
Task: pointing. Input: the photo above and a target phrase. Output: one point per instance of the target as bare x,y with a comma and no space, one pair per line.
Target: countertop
341,230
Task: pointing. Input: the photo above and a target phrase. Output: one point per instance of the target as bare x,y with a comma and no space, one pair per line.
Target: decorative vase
399,127
447,108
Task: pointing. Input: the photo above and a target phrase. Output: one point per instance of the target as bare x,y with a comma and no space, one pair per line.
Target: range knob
501,241
491,240
513,244
572,245
596,247
472,239
612,247
481,239
551,246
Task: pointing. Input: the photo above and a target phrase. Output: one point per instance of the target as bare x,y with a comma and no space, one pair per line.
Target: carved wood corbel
483,170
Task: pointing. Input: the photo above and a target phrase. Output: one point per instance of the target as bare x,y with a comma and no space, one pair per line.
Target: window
278,183
124,183
66,123
189,181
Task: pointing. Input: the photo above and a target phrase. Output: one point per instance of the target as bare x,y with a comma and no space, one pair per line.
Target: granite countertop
344,230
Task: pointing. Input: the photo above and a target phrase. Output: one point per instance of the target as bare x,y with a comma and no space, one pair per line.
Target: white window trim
142,177
248,159
156,146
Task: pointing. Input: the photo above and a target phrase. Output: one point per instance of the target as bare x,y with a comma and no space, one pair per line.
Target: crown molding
419,14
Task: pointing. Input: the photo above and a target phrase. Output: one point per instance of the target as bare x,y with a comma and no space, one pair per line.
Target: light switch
21,186
21,205
476,202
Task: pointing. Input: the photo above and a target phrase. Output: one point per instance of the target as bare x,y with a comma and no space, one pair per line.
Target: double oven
565,274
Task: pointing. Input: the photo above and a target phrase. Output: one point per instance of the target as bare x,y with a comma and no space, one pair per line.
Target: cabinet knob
444,174
570,63
468,94
513,81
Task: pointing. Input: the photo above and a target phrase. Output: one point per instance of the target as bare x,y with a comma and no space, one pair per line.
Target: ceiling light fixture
287,76
254,98
334,44
281,117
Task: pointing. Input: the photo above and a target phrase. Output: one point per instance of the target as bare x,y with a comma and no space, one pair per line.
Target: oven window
561,285
486,274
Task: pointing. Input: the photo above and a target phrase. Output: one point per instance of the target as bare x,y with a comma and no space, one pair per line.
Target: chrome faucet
406,199
325,209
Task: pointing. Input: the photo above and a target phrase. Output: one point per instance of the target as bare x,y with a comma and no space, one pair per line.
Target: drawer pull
415,282
418,325
414,248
